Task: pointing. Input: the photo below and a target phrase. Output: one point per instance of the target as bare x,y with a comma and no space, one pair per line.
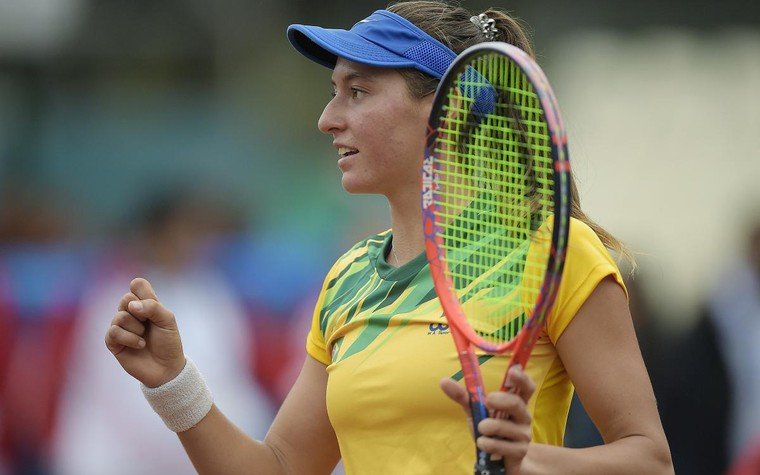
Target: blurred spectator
41,280
105,425
714,376
696,402
279,300
33,213
734,310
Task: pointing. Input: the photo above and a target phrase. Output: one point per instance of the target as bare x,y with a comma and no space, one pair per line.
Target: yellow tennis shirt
383,337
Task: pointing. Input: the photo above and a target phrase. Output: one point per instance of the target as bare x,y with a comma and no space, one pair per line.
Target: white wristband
183,401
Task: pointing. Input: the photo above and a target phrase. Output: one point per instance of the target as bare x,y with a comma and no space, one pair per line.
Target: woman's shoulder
587,257
582,230
587,263
584,245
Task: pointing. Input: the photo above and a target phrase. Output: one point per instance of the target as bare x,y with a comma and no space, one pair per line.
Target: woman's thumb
456,393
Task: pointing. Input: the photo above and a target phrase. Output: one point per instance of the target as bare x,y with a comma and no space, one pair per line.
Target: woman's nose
332,119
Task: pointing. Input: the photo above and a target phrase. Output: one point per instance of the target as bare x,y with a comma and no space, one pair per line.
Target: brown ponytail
451,25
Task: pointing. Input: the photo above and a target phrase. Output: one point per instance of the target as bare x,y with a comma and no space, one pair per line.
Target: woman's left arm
602,357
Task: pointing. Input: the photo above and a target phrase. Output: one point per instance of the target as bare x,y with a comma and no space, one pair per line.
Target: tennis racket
496,209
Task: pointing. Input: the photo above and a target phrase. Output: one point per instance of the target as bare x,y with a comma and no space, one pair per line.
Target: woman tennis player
377,386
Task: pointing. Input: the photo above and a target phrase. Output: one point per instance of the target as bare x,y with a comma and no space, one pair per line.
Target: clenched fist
144,337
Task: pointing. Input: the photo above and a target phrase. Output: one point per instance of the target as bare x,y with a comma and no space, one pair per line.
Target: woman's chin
351,185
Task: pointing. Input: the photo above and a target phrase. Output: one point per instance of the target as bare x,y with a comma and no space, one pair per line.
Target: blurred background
177,140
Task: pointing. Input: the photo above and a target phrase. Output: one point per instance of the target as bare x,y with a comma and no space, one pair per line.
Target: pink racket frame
461,331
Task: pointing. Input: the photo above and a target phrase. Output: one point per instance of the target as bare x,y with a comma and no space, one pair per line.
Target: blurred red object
749,462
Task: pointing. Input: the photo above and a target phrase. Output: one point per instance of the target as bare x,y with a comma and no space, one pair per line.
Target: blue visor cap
383,39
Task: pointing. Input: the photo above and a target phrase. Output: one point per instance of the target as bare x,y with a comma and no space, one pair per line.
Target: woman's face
377,128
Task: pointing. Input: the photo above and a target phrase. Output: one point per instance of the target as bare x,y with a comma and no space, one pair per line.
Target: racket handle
491,467
518,357
483,463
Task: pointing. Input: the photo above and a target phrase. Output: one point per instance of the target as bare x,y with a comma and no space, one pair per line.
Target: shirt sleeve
587,263
316,346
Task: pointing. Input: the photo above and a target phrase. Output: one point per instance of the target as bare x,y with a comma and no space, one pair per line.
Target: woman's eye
356,93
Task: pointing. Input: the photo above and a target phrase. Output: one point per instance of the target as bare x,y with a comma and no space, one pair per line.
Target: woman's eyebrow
353,75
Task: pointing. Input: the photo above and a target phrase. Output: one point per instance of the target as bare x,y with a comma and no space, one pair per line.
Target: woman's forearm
301,439
217,446
635,454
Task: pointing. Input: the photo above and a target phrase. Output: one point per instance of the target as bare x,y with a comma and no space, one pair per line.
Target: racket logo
438,329
427,182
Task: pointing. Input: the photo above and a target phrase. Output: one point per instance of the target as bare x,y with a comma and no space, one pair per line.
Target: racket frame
464,336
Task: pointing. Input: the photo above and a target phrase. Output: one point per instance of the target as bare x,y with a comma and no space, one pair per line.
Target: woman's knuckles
504,401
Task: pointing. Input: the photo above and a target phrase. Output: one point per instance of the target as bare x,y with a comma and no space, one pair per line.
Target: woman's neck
406,222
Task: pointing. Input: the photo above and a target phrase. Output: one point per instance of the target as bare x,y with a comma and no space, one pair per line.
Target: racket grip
496,466
483,463
491,467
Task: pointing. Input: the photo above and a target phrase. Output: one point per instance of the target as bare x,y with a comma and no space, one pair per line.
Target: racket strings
494,194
